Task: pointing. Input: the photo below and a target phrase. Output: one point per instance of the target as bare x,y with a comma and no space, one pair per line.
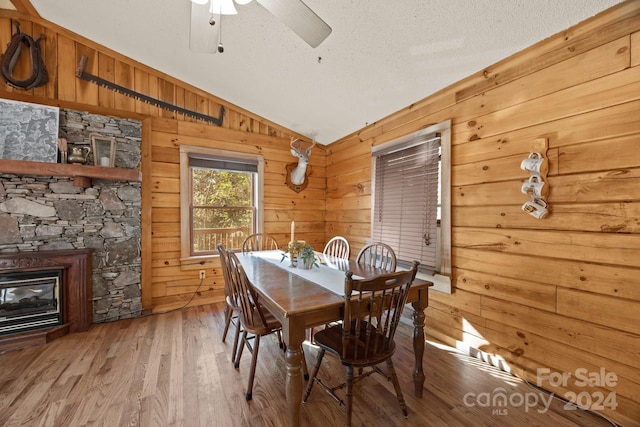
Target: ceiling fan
205,31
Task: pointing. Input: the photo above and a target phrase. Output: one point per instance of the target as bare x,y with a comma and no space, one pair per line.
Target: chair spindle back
372,313
379,255
338,247
259,242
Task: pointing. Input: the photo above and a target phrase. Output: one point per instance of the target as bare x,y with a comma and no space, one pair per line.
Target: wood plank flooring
173,370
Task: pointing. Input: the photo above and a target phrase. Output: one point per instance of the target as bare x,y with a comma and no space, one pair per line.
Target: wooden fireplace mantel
77,292
81,174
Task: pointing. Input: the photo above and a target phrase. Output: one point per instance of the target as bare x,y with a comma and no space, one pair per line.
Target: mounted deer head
297,172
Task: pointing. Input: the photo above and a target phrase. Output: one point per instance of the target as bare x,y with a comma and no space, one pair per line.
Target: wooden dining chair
259,242
379,255
232,308
253,318
365,338
337,246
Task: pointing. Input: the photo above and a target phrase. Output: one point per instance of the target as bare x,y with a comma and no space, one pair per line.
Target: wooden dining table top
280,286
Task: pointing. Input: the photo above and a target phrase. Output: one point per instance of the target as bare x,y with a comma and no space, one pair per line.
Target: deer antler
294,140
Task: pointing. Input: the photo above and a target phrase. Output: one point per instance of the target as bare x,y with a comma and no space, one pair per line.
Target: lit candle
293,226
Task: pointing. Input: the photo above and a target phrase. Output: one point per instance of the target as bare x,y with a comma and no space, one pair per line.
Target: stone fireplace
50,214
44,295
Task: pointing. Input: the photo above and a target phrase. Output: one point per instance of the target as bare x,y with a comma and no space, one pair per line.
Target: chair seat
231,304
330,339
272,324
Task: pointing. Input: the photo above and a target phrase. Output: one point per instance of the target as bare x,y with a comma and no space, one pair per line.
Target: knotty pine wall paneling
561,293
165,282
171,287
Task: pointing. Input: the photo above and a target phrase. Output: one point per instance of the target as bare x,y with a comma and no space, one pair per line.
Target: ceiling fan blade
203,37
300,18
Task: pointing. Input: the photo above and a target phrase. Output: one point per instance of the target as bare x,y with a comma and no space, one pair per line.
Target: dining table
301,299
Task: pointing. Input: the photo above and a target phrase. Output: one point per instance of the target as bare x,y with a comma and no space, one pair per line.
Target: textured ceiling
381,56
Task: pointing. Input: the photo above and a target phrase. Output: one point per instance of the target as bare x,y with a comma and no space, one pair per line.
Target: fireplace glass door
30,300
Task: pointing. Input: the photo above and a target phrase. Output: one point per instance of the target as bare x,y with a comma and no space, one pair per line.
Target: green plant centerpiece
300,253
307,258
293,249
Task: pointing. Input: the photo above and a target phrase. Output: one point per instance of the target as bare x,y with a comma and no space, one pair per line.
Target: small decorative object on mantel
62,147
538,165
78,155
28,132
104,150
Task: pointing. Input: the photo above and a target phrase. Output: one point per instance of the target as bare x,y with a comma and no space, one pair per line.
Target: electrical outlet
202,274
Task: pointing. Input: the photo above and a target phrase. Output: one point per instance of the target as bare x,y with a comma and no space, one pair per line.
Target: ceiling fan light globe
200,1
223,7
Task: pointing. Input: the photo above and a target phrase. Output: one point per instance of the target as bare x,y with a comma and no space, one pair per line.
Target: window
411,201
220,199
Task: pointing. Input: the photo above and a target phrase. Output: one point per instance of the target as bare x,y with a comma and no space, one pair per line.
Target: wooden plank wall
174,283
564,292
165,284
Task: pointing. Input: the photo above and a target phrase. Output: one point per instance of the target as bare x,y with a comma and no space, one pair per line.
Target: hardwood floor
172,370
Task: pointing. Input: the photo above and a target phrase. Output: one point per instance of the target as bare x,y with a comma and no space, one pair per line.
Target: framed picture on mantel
104,150
28,131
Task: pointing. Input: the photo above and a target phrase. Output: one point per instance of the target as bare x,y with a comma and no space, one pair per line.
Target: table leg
418,342
293,338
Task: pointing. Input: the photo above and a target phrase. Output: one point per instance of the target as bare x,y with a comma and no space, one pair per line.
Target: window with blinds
223,202
406,203
220,199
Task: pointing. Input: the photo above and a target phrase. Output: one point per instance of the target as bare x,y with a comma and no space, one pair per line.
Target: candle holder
104,150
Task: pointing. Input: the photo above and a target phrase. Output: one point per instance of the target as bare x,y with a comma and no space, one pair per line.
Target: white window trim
185,193
442,279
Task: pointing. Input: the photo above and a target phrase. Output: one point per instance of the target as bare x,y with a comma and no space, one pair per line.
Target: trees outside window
223,208
220,199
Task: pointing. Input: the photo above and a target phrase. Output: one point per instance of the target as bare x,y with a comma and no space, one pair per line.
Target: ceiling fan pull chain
220,47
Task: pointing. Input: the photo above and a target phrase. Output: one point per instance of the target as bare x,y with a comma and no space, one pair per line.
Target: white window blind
405,207
201,161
